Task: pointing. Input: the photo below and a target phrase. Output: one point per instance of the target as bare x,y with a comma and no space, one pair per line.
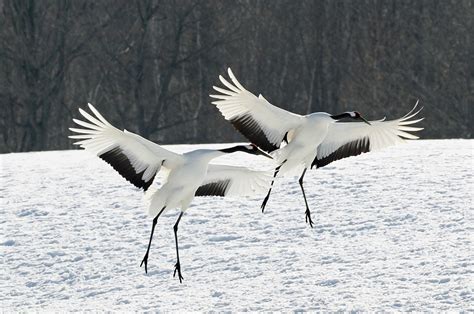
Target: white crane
313,140
187,175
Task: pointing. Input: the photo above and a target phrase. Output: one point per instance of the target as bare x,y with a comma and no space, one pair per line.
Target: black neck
238,148
341,116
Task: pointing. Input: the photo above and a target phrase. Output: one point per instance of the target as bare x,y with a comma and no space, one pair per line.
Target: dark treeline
149,65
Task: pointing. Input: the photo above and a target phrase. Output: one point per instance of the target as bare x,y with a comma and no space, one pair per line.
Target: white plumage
242,181
187,175
313,140
239,104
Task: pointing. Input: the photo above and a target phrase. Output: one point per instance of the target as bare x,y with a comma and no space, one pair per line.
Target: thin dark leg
265,200
308,213
145,258
177,267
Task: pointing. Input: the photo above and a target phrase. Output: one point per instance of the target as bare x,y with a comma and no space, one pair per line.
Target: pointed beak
258,151
363,119
261,152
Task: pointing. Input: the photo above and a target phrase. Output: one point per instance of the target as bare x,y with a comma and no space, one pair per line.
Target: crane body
186,175
308,141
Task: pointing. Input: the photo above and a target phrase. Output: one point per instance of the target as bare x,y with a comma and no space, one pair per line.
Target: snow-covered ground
393,231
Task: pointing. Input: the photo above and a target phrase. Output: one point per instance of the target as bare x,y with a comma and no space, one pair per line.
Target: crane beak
261,152
258,151
363,119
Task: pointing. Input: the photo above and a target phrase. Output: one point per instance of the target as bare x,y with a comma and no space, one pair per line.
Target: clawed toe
177,268
308,218
145,261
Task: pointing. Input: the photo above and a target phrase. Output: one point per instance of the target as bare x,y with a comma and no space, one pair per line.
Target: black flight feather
120,162
353,148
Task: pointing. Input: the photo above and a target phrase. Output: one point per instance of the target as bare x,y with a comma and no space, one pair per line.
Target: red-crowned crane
188,175
313,140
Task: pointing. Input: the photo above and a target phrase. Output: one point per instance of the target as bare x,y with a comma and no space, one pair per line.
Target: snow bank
393,231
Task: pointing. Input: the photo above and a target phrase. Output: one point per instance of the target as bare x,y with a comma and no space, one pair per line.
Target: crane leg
145,258
308,213
265,200
177,267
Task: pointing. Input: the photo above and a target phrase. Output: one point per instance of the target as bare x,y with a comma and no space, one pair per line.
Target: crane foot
145,261
308,218
177,268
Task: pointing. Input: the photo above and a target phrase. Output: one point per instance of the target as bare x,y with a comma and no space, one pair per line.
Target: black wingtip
353,148
250,128
120,162
218,188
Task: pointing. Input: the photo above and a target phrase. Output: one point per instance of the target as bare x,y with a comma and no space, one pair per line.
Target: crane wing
135,158
354,138
222,180
259,121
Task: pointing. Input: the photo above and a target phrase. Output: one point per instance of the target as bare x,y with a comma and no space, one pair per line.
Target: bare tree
150,64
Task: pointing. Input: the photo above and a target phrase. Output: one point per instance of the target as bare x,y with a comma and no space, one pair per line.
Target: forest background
149,65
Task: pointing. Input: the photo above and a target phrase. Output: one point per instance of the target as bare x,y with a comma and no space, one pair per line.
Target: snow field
393,231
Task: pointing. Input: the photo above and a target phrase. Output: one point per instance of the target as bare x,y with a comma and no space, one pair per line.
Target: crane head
249,149
253,149
355,115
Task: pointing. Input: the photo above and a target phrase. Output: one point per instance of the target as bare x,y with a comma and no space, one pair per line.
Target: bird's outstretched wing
259,121
135,158
222,180
347,139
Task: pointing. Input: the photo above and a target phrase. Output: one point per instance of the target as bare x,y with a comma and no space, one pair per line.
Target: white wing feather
380,133
242,181
100,137
237,102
